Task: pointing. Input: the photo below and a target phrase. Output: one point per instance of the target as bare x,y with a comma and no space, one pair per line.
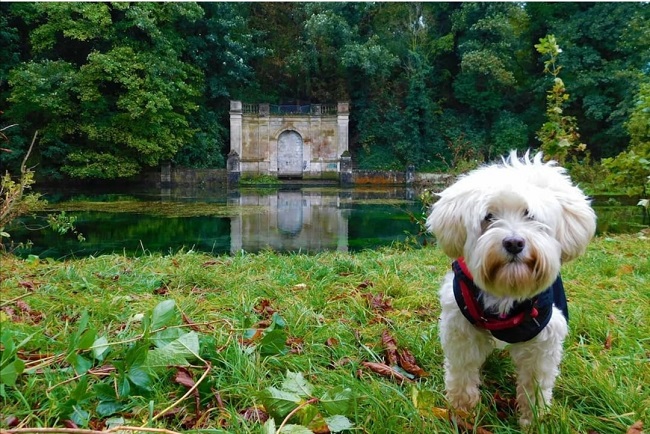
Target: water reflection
304,220
292,221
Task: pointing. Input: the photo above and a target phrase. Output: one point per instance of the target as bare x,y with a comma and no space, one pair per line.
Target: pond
294,218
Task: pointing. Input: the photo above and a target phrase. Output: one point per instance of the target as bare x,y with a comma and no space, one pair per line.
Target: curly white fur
531,204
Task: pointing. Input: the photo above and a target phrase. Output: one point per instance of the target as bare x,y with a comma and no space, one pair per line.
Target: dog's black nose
514,245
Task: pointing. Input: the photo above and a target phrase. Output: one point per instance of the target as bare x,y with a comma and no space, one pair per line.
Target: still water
298,219
290,219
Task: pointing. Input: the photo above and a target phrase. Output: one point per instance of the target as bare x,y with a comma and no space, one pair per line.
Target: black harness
522,322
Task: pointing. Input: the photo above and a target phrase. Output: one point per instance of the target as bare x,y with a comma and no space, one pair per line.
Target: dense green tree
116,88
606,45
107,85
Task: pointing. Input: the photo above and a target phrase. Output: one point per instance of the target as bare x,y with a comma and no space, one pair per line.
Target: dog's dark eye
528,215
489,217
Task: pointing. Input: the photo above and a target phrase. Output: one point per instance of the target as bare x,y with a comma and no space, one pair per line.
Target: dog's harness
525,319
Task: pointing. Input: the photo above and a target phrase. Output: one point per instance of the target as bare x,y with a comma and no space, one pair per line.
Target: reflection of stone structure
289,141
295,221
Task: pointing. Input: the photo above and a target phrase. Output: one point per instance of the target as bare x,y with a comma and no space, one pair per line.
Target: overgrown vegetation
285,343
116,88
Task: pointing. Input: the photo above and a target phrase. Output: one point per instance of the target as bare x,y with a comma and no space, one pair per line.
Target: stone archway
290,154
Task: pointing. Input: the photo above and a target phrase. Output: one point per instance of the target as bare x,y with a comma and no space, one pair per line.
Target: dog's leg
465,348
537,362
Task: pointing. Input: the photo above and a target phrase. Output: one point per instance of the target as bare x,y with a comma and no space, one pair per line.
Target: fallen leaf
254,414
386,371
408,363
264,308
295,345
365,284
23,306
390,348
608,341
184,378
300,286
190,323
28,285
332,342
11,421
636,428
379,302
70,424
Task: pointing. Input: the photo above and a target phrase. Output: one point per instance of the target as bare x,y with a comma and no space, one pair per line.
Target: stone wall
307,146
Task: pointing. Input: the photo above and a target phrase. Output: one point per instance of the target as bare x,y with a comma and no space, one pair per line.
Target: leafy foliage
632,166
559,134
133,85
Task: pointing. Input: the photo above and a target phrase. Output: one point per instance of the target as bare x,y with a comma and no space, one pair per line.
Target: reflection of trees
118,232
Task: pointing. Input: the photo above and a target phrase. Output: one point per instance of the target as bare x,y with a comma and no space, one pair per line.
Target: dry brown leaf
254,414
264,308
408,363
385,371
379,302
27,285
190,323
332,342
635,428
608,341
365,284
390,347
184,378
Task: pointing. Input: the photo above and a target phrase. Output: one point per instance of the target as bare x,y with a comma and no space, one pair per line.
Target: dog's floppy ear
446,222
577,224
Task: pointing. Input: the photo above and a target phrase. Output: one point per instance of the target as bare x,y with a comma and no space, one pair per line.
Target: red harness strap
475,311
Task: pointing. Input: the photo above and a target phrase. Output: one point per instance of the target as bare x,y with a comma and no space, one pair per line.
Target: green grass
322,307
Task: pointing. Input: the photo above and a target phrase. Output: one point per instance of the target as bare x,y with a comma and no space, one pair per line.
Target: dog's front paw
464,399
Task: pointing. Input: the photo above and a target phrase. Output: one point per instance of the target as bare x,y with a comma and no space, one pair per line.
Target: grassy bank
196,342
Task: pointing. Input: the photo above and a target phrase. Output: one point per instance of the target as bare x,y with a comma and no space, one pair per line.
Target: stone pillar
345,172
233,169
165,175
264,109
236,127
343,120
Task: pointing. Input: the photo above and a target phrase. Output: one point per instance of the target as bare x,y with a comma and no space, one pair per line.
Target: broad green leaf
338,423
310,416
80,364
338,400
295,429
136,355
99,348
123,386
269,426
80,392
9,347
107,408
162,314
175,353
9,374
140,378
273,343
87,339
277,402
277,321
105,391
80,416
166,336
295,382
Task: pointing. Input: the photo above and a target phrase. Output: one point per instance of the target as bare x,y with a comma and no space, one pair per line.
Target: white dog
509,227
